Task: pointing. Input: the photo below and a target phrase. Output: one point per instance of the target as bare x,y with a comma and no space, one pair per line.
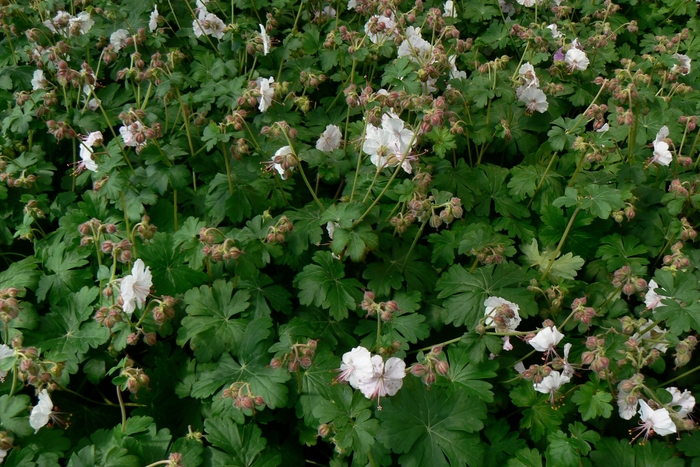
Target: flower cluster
391,144
371,374
529,91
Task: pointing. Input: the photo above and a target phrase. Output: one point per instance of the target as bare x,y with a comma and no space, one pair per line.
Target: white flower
555,32
380,35
352,4
267,92
267,42
390,144
603,129
386,380
662,155
284,151
414,46
201,4
662,134
328,12
41,413
685,401
5,352
449,9
684,68
118,39
83,21
134,288
505,312
551,383
129,133
653,300
330,228
626,403
546,339
576,59
534,99
653,336
527,3
568,369
38,80
208,24
93,139
654,421
356,366
153,20
454,72
330,139
3,453
527,74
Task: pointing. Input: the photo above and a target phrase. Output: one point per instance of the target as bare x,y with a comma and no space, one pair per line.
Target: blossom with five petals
134,288
387,378
654,421
356,366
41,413
546,339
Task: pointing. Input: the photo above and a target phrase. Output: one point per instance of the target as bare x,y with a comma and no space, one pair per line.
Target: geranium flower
134,288
356,366
527,74
386,380
555,31
546,339
266,41
653,300
38,80
684,401
449,10
80,24
284,170
119,39
684,68
653,421
662,155
454,72
527,3
534,100
551,383
653,336
91,140
414,46
209,24
390,144
5,352
267,92
576,59
41,413
330,139
129,134
501,313
379,27
626,403
153,19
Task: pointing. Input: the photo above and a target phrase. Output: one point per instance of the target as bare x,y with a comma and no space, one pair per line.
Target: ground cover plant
367,233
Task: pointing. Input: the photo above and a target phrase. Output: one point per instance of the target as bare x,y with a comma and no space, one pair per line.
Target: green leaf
348,410
560,452
170,273
602,200
307,228
618,251
69,329
14,415
503,443
467,375
592,402
563,268
611,451
322,284
526,458
265,295
67,277
21,274
356,243
215,320
491,182
243,444
432,428
465,292
681,309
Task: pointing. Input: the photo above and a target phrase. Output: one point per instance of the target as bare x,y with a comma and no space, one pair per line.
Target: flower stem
121,407
369,209
581,117
683,375
561,243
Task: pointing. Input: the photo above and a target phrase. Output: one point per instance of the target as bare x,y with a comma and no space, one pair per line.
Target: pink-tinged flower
208,24
41,413
5,352
449,10
267,92
546,339
559,55
38,80
356,367
683,403
330,139
266,41
119,39
653,421
534,100
576,59
415,47
379,28
153,20
684,67
653,300
551,383
90,141
134,288
528,76
386,380
661,155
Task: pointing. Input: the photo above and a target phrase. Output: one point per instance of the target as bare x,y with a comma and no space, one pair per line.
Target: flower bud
442,367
